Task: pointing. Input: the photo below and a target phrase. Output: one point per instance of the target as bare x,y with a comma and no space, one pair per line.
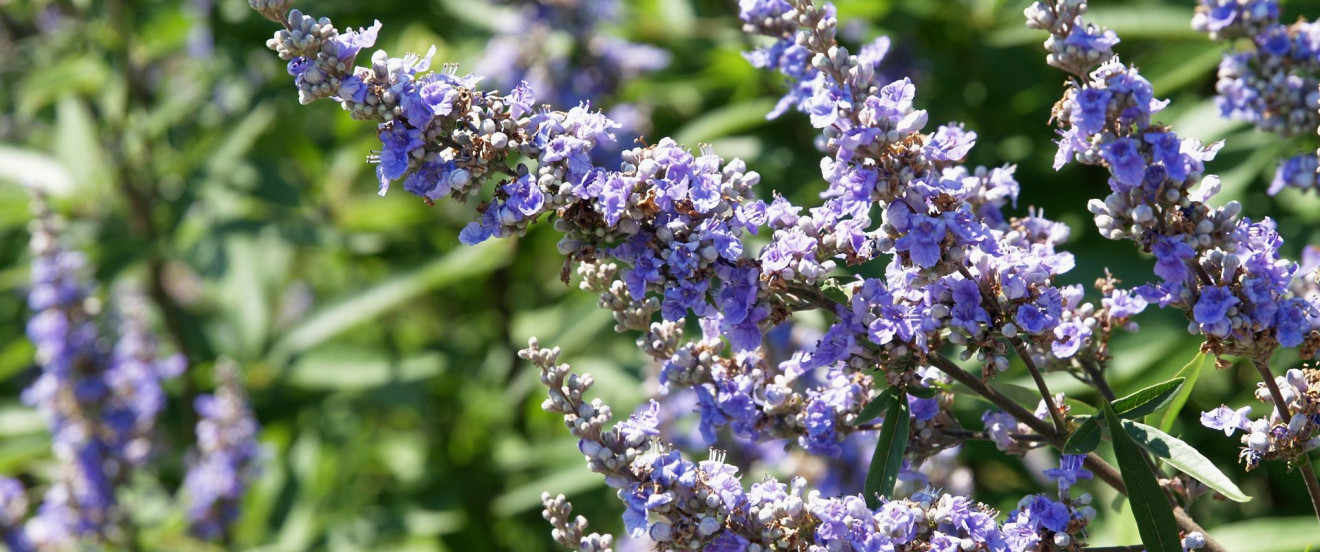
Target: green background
380,353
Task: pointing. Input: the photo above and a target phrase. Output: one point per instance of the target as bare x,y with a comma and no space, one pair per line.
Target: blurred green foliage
379,352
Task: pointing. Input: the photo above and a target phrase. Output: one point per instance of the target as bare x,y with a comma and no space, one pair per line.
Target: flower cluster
662,238
101,402
1281,435
1274,85
101,405
677,223
13,509
1225,272
686,505
226,459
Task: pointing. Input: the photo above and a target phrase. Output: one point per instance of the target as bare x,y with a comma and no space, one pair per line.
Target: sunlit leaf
1148,400
1184,457
1190,372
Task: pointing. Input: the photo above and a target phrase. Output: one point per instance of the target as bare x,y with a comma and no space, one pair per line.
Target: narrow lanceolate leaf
922,392
888,457
1182,456
1148,400
1085,439
877,405
1150,507
1190,372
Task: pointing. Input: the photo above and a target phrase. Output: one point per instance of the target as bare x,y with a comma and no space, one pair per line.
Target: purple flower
397,141
1092,42
1020,537
351,42
430,98
821,437
922,242
520,100
1123,304
1070,471
727,541
1125,162
13,506
1211,310
434,179
525,196
1089,111
1227,419
754,10
950,143
1297,172
1069,338
226,458
1171,255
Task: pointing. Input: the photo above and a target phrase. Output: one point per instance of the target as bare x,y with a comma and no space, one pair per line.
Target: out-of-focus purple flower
226,458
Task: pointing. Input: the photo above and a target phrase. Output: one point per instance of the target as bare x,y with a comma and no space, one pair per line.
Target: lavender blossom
101,405
13,509
226,459
1226,272
676,220
687,505
1275,85
1276,436
69,393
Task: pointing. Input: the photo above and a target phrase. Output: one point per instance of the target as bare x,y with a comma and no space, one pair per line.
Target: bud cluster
1279,436
1224,271
1275,84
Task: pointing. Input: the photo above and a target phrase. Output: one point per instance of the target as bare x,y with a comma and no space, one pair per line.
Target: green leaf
1285,534
1183,457
888,457
369,304
1085,439
1025,396
877,405
725,121
835,289
1190,372
78,144
922,392
344,367
28,167
1148,400
1150,507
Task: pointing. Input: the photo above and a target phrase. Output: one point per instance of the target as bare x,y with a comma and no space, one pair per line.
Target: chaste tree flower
662,238
227,457
1285,434
101,405
1274,84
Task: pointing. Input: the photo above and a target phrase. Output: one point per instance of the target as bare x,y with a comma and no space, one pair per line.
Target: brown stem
1004,403
1098,378
1018,345
813,296
1059,424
